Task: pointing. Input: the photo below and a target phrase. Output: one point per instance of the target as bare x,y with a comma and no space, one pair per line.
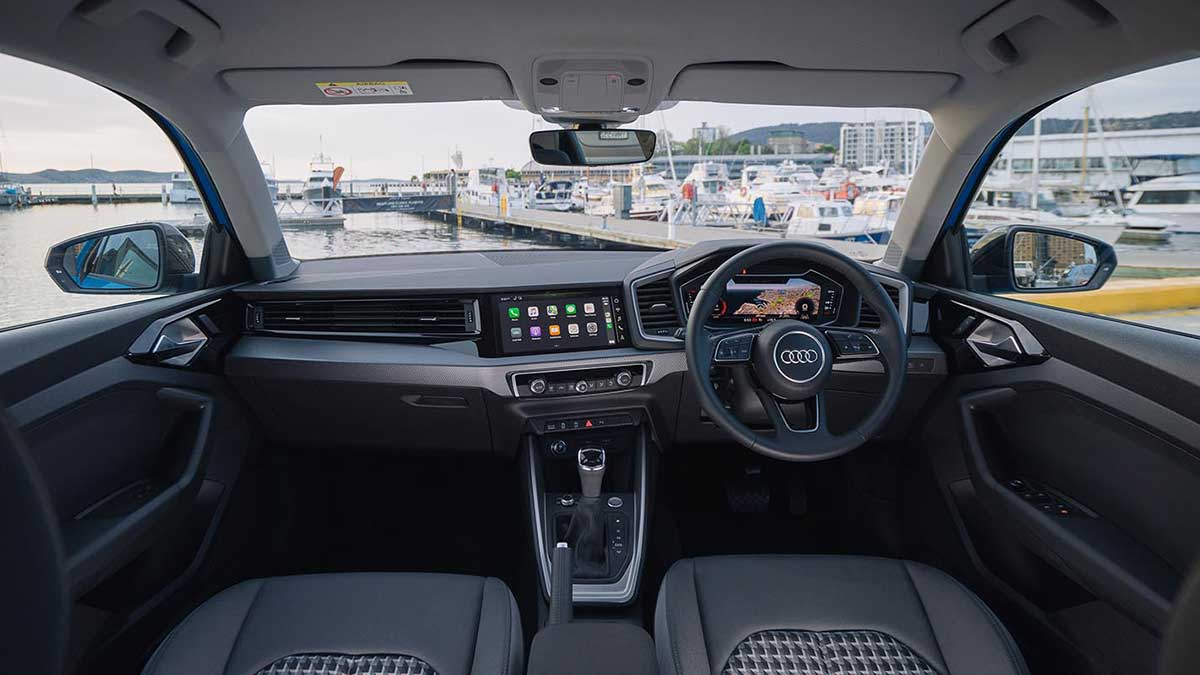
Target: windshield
378,179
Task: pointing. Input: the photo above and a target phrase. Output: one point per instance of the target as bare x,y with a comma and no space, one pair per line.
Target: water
27,294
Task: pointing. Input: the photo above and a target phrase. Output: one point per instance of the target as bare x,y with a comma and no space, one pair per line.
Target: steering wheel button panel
734,349
849,344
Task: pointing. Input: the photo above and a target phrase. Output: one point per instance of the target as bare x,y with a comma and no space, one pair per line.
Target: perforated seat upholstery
350,624
841,615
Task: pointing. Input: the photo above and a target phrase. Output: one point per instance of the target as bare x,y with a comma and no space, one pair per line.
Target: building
895,143
789,143
705,133
1135,155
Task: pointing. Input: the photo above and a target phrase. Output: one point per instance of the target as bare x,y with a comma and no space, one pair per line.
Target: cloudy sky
55,120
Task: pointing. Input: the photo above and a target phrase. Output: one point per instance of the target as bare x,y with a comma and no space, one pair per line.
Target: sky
56,120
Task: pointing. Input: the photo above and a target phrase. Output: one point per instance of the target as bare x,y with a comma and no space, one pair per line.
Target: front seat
824,614
348,624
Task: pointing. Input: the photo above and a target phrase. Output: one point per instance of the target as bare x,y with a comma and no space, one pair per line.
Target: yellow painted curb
1126,296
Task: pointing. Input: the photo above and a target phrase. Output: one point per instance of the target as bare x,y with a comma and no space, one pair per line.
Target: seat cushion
416,624
824,614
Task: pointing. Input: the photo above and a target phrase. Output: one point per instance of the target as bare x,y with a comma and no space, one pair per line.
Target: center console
587,478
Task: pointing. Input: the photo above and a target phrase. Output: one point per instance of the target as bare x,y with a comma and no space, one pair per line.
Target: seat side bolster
204,641
678,632
499,644
971,638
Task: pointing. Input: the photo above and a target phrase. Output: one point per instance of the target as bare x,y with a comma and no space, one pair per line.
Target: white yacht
835,219
981,218
320,203
1176,198
183,190
710,180
555,195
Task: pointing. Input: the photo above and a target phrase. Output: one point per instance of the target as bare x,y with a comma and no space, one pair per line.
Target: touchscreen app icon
535,331
554,330
515,332
570,309
533,312
551,310
573,329
589,308
514,312
593,328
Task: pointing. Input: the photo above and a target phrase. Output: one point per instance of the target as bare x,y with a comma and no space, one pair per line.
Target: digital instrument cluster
758,296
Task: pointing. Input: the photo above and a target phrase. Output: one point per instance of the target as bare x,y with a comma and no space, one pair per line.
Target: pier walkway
646,233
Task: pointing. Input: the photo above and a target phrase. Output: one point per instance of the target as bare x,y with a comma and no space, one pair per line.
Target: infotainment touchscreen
546,322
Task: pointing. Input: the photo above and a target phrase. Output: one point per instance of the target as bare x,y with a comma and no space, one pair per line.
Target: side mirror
143,258
591,147
1028,259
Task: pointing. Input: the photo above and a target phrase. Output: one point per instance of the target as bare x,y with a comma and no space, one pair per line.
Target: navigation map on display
798,298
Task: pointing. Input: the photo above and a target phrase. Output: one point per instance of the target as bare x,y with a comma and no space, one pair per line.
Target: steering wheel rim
771,340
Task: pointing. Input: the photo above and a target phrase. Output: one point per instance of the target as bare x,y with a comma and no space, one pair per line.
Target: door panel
1075,473
137,458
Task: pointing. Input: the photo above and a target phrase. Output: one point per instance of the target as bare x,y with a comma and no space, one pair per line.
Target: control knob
538,386
624,378
559,447
581,387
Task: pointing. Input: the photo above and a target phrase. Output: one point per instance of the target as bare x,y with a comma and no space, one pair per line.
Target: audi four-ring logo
792,357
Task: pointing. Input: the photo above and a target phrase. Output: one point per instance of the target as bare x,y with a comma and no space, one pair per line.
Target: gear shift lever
585,533
591,471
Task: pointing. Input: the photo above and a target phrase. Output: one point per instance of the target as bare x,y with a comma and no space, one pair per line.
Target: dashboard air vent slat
436,317
656,309
867,317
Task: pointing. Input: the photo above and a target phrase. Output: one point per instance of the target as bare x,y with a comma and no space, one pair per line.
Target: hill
90,176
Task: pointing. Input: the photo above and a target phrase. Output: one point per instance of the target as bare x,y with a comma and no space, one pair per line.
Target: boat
1139,227
710,180
320,202
1176,198
555,195
835,219
13,195
981,218
183,190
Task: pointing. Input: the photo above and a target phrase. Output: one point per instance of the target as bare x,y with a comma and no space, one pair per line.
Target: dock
630,232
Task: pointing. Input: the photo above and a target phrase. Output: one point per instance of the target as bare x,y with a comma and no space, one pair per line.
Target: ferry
1176,198
835,219
183,190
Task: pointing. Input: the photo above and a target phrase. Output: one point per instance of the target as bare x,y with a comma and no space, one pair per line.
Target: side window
77,159
1115,169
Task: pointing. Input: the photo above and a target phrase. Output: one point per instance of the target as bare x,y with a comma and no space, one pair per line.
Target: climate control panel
578,382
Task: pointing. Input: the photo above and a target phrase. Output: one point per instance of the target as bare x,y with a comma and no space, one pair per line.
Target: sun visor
775,83
407,82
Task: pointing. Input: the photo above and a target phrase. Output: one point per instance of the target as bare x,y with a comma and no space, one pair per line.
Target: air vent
656,309
420,317
869,318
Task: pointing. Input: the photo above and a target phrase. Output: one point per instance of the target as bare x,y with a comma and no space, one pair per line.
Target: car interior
911,470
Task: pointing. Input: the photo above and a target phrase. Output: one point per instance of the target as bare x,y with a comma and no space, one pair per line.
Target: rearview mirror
142,258
591,147
1026,259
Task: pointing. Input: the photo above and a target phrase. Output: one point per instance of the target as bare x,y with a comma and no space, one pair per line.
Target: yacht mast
1035,179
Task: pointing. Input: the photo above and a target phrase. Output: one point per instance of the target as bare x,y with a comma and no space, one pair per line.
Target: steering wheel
790,361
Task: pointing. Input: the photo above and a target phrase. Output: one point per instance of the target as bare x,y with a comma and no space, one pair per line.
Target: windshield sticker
376,88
